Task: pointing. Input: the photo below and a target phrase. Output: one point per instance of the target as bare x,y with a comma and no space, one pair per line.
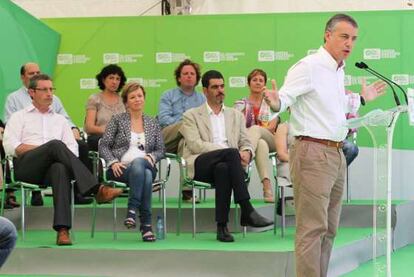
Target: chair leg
282,197
3,199
164,208
72,214
23,212
179,212
236,218
114,219
194,213
93,218
277,199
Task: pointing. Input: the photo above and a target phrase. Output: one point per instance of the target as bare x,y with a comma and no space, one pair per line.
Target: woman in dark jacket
131,145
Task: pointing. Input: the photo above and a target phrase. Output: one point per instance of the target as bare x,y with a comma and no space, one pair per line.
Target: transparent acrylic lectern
380,126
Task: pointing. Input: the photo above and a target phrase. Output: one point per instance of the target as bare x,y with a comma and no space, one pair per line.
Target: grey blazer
117,137
198,138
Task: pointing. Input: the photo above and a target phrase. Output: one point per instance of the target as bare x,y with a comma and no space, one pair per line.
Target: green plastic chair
194,185
157,186
279,190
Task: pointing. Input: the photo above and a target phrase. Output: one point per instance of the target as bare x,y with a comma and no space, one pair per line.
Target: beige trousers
318,176
262,142
172,137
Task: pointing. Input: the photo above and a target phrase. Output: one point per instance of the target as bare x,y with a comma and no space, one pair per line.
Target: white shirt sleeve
297,82
69,140
12,134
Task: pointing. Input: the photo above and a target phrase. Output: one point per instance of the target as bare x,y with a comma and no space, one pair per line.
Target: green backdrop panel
149,48
24,38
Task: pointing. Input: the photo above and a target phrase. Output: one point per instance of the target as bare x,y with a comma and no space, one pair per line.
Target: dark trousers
84,154
53,164
223,169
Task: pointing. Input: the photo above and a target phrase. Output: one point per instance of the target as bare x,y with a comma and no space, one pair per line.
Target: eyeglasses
141,147
46,89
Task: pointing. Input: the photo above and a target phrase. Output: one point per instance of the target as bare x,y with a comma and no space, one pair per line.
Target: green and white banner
149,49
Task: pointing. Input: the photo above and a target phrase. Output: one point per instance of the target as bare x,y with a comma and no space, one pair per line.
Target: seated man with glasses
20,99
46,152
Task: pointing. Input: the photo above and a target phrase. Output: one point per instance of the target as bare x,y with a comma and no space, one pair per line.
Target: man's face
188,77
42,95
31,69
215,92
340,40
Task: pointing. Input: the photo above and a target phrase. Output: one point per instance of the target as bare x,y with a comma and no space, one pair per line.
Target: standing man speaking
315,92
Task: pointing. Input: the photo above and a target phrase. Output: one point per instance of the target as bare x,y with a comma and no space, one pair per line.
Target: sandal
147,234
130,223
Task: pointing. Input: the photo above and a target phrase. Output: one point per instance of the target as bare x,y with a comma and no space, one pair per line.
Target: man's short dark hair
211,74
108,70
22,69
179,68
36,78
340,17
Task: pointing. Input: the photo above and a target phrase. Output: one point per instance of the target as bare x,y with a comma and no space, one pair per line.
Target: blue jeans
8,237
138,175
350,151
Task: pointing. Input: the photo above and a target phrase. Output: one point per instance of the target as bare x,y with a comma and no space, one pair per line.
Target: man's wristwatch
362,100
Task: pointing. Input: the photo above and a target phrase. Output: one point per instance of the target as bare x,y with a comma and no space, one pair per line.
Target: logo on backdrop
88,83
350,80
111,58
271,56
216,56
237,82
148,83
403,79
378,54
72,59
169,57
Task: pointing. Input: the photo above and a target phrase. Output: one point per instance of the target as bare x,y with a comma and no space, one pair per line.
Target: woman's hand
117,168
149,159
271,97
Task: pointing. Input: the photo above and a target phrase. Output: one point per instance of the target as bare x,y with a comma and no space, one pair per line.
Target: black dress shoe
254,219
224,235
80,200
37,199
11,201
188,197
7,206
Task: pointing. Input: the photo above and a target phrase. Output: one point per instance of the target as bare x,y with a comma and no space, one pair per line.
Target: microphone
364,66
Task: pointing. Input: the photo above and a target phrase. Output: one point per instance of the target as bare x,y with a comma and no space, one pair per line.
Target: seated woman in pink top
261,124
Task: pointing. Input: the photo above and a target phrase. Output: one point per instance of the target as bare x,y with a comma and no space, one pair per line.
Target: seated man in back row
45,153
216,149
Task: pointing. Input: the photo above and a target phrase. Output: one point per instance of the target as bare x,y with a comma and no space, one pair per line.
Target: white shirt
136,148
218,126
29,126
315,92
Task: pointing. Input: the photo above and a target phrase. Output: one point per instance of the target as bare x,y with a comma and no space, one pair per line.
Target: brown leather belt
327,142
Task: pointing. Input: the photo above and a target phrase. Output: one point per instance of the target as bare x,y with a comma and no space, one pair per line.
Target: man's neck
41,109
216,108
187,90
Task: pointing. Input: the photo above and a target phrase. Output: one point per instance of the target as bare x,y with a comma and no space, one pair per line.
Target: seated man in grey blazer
216,149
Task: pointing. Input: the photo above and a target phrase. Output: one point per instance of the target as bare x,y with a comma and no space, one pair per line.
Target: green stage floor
208,203
131,240
401,264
